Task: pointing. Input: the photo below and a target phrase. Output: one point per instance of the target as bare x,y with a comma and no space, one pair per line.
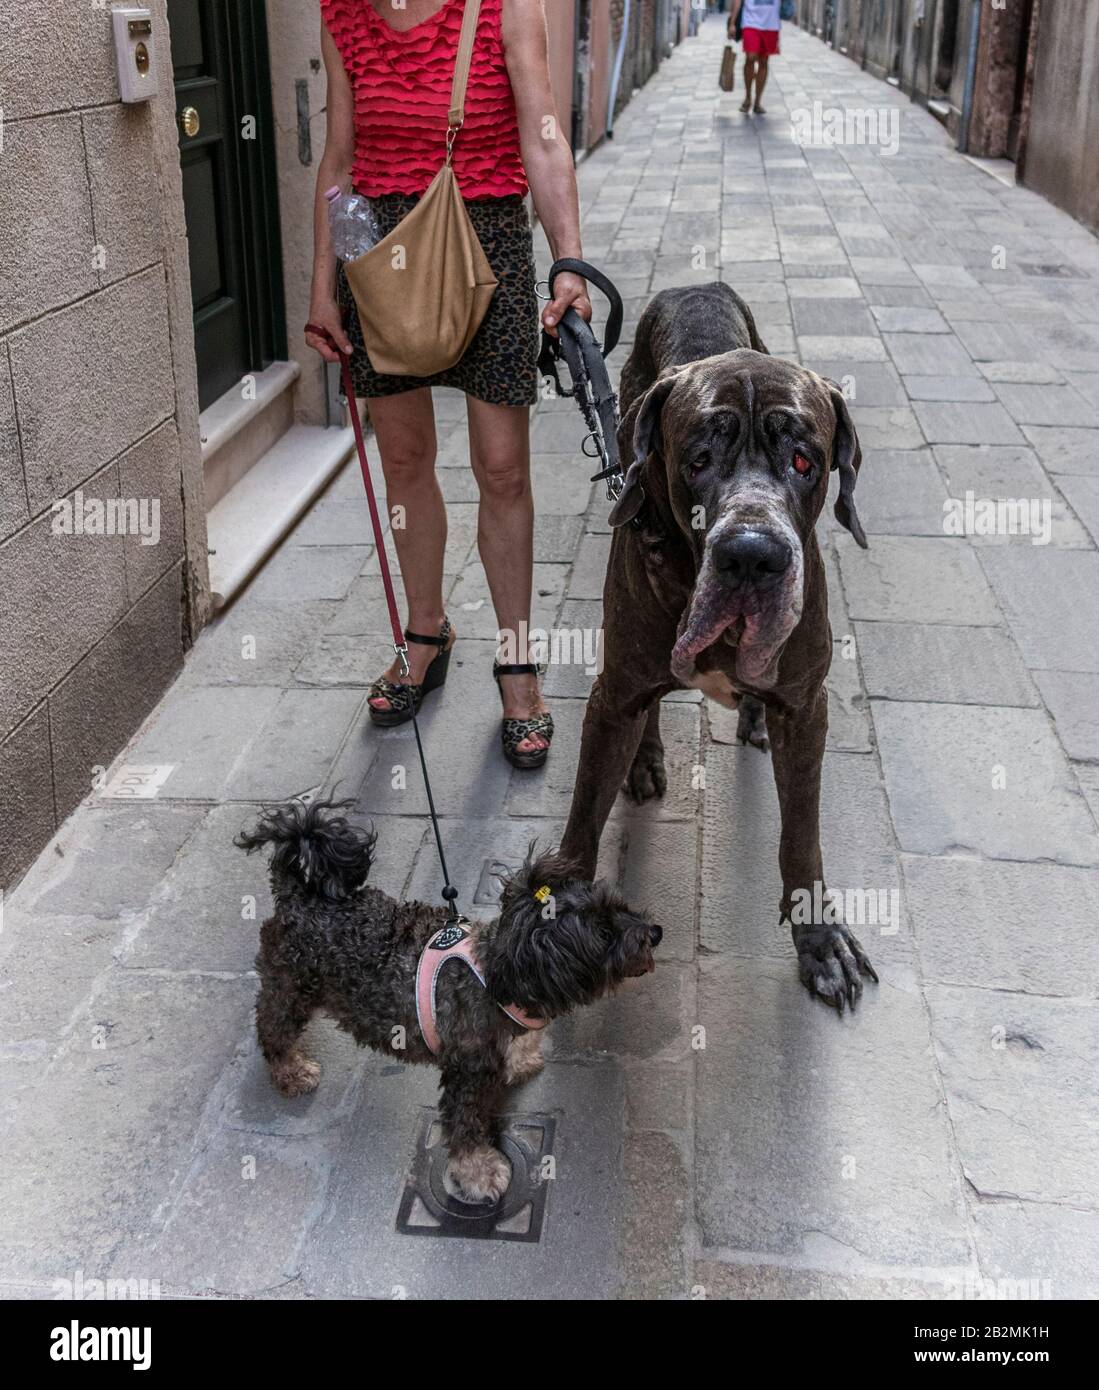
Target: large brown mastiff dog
716,583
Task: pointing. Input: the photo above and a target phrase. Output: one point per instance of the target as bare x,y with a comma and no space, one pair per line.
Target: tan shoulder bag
423,291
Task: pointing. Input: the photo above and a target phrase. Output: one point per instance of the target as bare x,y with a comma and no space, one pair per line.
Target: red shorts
760,41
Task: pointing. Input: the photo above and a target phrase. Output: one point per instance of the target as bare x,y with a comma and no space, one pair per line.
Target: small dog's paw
480,1175
831,964
647,778
295,1076
524,1058
751,725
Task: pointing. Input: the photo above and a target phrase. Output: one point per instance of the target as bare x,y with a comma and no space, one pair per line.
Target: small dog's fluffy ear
317,848
538,871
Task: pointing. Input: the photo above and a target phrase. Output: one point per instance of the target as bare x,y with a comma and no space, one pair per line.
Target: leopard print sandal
514,731
405,700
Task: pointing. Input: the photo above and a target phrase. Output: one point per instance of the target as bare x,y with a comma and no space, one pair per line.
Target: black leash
450,893
586,360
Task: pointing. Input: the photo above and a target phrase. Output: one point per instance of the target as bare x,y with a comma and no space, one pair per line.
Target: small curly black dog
338,946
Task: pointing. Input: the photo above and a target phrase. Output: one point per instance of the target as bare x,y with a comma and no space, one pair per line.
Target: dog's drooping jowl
337,946
716,582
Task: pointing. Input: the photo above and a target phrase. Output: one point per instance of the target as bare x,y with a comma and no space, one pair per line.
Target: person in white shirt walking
760,22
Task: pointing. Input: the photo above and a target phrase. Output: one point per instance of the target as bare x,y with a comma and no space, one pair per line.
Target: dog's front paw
480,1175
295,1075
751,724
831,964
647,778
524,1058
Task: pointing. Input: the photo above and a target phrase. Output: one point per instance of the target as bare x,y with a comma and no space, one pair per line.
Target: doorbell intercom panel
135,53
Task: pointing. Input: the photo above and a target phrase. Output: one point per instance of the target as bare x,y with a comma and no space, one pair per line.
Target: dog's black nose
752,557
656,936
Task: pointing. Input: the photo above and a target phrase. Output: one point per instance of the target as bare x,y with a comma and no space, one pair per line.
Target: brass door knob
191,121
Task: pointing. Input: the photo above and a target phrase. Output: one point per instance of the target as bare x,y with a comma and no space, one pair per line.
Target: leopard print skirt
500,365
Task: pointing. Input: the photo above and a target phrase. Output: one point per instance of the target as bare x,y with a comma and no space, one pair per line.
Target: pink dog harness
453,942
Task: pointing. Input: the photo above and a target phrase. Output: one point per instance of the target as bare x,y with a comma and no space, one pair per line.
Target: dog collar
452,942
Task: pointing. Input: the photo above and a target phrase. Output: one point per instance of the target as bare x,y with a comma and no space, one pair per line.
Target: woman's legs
404,427
499,449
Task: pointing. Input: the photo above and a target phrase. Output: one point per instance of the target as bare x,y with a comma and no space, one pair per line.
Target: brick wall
96,397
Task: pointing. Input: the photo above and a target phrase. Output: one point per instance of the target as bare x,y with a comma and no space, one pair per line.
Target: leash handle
400,646
569,265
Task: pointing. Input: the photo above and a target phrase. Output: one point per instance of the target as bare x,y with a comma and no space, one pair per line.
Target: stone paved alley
947,1132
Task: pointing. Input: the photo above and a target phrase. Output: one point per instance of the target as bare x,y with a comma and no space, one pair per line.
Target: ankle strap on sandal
418,637
526,668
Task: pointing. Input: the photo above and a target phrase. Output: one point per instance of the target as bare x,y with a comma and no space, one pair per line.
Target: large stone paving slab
991,473
900,492
1065,450
1083,497
1020,1084
815,1131
741,886
295,746
912,579
354,1250
965,779
751,1282
200,733
256,643
1072,697
96,1153
107,860
660,876
969,422
265,1192
644,1020
1035,1250
937,662
1022,927
48,968
1051,602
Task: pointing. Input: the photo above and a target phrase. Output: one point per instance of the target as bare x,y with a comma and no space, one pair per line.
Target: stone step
239,428
254,516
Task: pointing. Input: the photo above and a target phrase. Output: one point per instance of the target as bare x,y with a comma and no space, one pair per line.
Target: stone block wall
98,414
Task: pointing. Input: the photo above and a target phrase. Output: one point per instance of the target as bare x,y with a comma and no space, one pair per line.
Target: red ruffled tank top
402,83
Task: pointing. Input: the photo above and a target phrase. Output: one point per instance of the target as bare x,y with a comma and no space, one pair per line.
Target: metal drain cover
428,1208
488,885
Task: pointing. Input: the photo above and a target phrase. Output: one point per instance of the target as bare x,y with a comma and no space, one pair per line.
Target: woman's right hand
326,314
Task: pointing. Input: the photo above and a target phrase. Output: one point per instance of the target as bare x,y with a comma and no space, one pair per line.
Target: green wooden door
227,154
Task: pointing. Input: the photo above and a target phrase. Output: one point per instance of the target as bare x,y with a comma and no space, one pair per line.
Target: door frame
257,182
250,176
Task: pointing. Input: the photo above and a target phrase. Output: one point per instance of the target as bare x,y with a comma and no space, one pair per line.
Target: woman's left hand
569,292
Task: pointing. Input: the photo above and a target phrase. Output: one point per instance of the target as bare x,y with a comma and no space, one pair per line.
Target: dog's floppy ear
646,438
847,457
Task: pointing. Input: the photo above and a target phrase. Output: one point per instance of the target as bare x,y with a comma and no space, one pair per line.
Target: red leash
400,646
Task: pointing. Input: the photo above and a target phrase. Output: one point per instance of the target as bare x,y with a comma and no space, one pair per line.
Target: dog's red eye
802,464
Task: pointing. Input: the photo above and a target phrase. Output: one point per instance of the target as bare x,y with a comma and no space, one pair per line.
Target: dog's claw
831,964
647,778
751,726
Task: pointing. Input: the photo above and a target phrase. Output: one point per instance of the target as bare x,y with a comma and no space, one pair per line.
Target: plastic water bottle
354,230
